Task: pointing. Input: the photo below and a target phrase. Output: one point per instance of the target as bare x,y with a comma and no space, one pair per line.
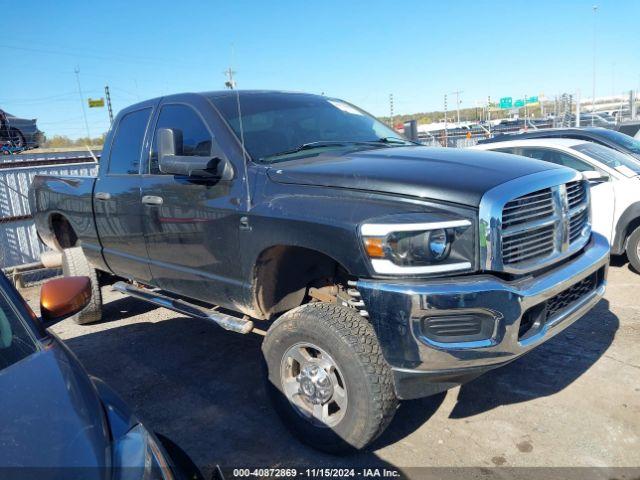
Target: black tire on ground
75,264
16,138
633,249
351,342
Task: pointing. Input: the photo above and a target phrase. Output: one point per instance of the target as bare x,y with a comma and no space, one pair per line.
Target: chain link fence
20,247
462,137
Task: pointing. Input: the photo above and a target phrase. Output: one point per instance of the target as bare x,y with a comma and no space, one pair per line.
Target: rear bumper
494,321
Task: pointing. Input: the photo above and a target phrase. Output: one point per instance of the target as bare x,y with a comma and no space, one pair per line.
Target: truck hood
441,174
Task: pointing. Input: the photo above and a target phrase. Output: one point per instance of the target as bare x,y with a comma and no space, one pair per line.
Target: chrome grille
577,224
527,245
576,193
543,225
527,208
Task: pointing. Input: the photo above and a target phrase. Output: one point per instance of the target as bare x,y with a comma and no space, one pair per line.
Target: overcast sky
359,51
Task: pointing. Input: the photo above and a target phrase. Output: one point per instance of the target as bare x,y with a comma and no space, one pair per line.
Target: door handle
152,200
103,196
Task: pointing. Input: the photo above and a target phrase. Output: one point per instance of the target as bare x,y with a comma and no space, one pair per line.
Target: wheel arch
627,223
282,274
63,235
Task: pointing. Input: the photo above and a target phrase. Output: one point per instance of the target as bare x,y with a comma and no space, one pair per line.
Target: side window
15,342
557,157
127,144
196,139
573,162
511,150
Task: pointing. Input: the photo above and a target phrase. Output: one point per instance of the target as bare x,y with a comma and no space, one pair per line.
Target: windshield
610,157
279,125
15,341
625,141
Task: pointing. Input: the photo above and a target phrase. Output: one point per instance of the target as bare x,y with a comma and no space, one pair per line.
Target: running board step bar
234,324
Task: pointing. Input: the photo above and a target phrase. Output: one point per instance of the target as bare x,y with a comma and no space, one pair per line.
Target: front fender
627,222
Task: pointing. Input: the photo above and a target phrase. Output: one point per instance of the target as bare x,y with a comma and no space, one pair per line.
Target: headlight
137,456
419,248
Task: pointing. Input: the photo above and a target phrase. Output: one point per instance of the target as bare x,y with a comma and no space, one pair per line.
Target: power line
84,112
100,56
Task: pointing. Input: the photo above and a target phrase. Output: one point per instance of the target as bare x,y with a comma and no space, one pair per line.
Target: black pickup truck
376,268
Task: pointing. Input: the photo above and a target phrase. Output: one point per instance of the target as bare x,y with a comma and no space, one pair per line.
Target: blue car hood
51,416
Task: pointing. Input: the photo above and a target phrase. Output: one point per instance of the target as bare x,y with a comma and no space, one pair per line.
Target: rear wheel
327,377
633,249
75,264
16,139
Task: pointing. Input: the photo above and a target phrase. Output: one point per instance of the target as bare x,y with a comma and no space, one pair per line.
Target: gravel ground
574,401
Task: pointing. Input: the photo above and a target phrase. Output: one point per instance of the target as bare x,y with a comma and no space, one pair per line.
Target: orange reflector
373,246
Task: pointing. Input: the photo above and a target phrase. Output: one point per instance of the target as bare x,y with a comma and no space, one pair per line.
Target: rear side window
557,157
196,138
127,144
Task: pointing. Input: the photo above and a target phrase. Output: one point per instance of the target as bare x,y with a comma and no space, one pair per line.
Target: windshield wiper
397,140
319,144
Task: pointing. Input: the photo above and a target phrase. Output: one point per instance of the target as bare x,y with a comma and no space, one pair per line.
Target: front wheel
16,138
327,377
633,249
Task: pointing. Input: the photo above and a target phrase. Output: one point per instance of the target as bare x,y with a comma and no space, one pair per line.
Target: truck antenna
244,151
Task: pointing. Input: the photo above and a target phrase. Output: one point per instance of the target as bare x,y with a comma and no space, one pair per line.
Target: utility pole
446,142
593,98
230,83
489,113
84,111
108,97
457,94
391,109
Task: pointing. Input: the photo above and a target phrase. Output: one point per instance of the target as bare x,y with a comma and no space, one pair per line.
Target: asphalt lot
575,401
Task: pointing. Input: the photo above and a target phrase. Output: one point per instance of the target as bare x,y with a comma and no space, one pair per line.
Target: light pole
593,97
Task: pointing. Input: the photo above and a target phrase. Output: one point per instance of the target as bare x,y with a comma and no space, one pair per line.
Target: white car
614,179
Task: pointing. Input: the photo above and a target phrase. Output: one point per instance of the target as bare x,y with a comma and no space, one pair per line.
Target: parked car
56,419
19,133
596,120
379,268
609,138
614,179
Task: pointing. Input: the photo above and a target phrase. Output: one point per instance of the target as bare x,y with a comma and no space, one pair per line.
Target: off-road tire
351,341
16,138
633,253
75,264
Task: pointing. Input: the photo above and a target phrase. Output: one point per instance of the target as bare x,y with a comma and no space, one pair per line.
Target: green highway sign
506,102
519,103
96,103
532,100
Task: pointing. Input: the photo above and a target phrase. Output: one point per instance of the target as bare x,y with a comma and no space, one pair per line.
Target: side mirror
63,297
173,162
595,177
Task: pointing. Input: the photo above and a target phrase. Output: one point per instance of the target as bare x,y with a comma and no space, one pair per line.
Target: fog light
463,327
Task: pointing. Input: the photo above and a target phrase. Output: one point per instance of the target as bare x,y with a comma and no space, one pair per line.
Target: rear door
602,192
117,200
191,226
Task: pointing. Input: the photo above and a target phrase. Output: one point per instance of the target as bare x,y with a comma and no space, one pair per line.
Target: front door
192,226
117,206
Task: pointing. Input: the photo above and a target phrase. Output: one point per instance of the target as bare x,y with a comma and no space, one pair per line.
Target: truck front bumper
438,334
